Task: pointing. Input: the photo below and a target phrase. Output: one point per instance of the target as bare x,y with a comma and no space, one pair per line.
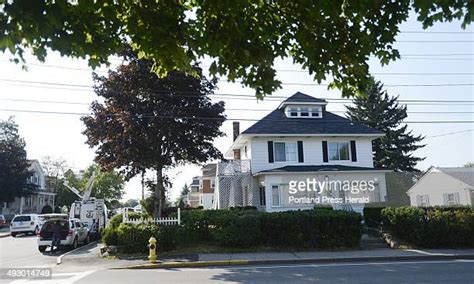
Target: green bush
431,227
115,221
250,228
132,238
373,216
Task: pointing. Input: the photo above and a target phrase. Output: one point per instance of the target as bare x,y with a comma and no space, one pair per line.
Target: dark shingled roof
319,168
278,123
303,98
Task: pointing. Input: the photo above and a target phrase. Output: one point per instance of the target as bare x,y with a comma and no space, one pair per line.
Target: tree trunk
159,190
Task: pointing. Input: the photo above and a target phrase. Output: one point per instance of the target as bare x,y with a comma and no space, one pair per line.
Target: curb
59,259
292,261
4,235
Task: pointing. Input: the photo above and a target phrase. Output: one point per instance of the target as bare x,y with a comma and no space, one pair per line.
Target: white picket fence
158,221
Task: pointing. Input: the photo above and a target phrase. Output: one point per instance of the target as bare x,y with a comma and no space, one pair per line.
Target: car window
78,224
72,224
22,219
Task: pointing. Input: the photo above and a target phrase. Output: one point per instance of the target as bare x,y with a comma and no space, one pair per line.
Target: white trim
312,172
301,103
311,135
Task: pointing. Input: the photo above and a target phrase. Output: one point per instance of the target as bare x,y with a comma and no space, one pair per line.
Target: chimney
236,128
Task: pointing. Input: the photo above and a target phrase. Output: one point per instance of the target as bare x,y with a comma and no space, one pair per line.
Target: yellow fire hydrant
152,248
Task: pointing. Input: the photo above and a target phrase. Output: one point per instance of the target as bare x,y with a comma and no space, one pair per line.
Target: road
22,252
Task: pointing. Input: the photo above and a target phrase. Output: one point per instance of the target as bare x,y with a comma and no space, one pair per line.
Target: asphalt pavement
454,271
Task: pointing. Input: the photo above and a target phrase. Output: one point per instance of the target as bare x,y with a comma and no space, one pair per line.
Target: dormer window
304,112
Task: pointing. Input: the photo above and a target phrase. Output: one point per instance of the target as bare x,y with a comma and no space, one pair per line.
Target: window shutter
325,152
456,198
353,151
270,152
300,152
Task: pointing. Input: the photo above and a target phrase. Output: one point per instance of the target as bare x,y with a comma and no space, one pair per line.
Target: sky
62,79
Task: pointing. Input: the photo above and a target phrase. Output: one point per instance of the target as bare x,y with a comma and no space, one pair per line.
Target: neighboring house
207,186
41,196
443,187
299,140
201,191
193,195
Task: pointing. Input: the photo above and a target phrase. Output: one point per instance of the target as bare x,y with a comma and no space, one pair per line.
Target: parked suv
73,232
3,221
25,223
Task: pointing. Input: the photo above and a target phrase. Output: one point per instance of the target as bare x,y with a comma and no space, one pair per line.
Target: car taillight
70,233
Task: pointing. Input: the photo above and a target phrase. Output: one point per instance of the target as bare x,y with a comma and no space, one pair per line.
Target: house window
423,200
451,199
276,195
262,196
293,112
304,111
338,151
213,183
285,151
315,112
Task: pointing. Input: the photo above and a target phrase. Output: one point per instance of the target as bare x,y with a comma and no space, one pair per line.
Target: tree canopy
14,173
242,38
147,122
378,110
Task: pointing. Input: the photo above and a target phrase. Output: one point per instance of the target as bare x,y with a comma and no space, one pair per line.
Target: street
22,252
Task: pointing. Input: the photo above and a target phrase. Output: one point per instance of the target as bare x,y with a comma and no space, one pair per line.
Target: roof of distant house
278,123
463,174
209,170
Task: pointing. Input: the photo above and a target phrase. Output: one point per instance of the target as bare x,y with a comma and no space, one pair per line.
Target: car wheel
42,248
75,244
13,234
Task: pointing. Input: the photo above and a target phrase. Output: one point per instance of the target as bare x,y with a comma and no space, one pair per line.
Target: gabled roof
209,170
299,97
319,168
278,123
465,175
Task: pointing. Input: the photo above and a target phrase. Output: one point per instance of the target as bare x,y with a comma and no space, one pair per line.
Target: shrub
133,238
431,227
115,221
373,216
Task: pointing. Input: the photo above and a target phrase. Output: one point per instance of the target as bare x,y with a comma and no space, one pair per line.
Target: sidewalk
200,260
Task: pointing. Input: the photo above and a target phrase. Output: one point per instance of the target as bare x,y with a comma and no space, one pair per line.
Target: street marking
59,259
428,253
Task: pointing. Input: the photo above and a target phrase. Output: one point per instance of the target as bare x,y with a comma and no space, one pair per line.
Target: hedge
373,216
244,228
250,228
431,227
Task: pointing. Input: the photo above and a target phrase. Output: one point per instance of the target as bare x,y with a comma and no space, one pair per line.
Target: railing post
179,216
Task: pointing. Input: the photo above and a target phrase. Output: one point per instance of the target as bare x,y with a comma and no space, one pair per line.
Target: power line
433,41
228,119
451,133
333,100
437,32
283,83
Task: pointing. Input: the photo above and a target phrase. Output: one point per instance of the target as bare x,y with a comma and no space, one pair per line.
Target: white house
443,187
40,197
300,142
